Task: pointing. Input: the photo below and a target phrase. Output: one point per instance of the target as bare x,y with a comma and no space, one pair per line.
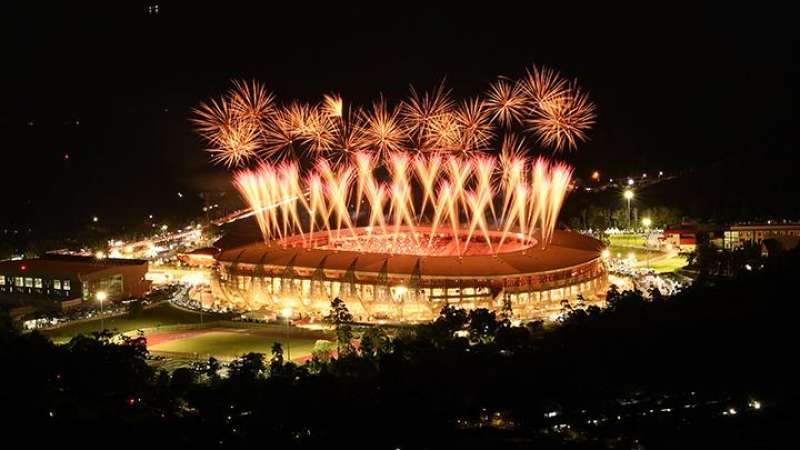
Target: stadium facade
410,277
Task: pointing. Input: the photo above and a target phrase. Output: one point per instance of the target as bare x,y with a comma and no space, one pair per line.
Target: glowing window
28,282
2,280
37,282
65,285
18,282
56,284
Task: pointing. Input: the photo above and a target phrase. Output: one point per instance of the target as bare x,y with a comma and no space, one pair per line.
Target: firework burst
507,102
475,124
421,113
561,122
247,124
383,131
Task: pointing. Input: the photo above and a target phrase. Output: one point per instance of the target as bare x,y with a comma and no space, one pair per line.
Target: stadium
400,208
411,275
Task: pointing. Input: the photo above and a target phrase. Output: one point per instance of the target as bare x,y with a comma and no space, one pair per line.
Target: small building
66,278
681,237
737,235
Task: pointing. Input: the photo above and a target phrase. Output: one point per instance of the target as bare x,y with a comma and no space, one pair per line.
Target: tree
508,310
483,325
249,366
451,319
135,310
374,341
212,369
340,316
276,362
182,380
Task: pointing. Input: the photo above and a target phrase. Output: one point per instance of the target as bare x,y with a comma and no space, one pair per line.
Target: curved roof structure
568,249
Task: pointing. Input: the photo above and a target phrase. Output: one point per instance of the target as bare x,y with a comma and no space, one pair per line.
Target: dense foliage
467,380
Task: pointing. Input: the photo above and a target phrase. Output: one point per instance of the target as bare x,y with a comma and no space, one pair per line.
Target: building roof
567,250
64,265
765,226
205,251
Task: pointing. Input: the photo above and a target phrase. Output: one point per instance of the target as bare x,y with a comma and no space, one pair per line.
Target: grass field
661,262
639,253
160,315
668,264
230,343
626,240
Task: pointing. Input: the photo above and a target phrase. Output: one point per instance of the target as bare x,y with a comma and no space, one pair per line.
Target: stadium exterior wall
375,287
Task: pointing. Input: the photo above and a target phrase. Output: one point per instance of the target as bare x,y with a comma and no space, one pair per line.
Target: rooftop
568,249
64,265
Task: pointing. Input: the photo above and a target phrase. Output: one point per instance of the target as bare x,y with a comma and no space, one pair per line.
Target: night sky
676,90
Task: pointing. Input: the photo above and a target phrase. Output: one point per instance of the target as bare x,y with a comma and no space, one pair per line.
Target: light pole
101,296
287,314
647,222
628,196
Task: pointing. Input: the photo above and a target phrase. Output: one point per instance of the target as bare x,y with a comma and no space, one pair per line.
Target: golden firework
507,102
382,129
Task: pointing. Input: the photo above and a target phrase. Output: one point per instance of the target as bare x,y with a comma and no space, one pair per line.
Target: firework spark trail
477,203
316,204
513,175
377,199
531,194
365,165
443,194
540,189
516,213
248,185
561,177
337,189
459,170
484,169
401,203
427,170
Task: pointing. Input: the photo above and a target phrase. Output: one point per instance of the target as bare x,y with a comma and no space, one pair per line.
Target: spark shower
424,163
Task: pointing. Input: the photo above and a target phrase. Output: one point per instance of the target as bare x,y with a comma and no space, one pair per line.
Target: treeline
729,339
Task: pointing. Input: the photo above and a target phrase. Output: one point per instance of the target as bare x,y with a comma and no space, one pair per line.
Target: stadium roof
568,249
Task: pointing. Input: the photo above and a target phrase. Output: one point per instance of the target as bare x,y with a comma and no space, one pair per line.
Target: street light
628,194
286,313
647,222
101,296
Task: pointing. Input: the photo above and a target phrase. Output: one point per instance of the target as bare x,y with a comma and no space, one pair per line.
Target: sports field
228,343
627,245
161,315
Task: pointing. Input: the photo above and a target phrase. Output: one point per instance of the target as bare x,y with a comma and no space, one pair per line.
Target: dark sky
112,86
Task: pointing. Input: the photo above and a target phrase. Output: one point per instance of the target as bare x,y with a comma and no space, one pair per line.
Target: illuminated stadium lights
628,194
